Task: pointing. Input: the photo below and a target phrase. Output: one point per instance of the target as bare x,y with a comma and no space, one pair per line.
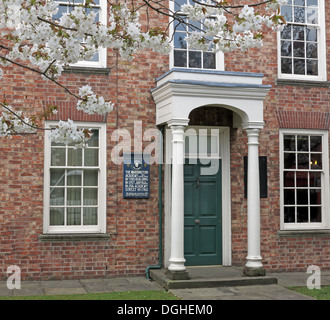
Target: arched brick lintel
303,120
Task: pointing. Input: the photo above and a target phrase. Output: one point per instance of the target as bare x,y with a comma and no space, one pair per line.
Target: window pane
73,196
289,180
74,157
195,59
286,66
178,4
316,161
311,50
302,214
302,143
299,2
299,49
312,67
90,216
302,196
289,197
312,3
58,157
209,60
302,179
286,32
299,66
57,196
179,40
316,214
91,157
315,196
287,13
56,216
315,179
289,215
178,26
286,48
90,197
90,177
180,58
57,177
290,143
312,16
299,14
316,143
311,34
303,161
94,140
289,161
194,26
74,177
299,33
73,216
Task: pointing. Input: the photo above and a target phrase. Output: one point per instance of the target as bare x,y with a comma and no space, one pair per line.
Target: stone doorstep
161,278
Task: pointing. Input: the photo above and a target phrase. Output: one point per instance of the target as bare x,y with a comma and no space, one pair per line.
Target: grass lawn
129,295
319,294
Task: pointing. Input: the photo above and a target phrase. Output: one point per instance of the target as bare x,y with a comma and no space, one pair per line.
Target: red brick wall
133,224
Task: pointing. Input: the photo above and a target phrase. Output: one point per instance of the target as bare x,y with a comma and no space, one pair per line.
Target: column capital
178,123
258,125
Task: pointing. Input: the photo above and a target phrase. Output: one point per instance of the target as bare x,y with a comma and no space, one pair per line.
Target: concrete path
224,292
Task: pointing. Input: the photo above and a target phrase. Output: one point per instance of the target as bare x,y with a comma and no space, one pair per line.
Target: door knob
196,183
197,221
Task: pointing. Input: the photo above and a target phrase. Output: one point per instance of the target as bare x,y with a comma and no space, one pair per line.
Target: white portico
177,94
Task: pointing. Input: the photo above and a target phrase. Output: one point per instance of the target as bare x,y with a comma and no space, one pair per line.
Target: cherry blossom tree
31,38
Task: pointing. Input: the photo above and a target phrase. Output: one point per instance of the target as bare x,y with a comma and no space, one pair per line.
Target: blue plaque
136,176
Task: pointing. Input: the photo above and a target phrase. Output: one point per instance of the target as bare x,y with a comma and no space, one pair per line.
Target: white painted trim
101,227
322,66
325,182
224,148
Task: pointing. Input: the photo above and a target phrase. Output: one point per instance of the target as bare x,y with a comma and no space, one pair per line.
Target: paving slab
254,292
64,291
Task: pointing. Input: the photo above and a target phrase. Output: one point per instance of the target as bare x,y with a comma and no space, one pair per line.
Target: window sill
304,233
87,70
302,83
74,237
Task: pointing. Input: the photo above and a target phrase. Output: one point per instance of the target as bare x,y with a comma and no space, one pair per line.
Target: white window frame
325,191
322,71
101,226
219,56
102,63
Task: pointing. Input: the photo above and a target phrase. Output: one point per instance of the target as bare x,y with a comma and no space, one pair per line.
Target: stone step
203,278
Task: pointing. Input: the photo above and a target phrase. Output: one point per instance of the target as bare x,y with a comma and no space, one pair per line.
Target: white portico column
177,268
253,266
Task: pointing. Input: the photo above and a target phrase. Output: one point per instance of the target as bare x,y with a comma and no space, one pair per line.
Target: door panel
202,216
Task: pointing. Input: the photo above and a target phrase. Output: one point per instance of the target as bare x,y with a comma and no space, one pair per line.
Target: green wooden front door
202,216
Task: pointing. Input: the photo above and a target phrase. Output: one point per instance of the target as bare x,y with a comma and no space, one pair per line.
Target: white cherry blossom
49,45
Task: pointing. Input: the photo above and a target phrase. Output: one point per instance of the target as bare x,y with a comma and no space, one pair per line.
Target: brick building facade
291,109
